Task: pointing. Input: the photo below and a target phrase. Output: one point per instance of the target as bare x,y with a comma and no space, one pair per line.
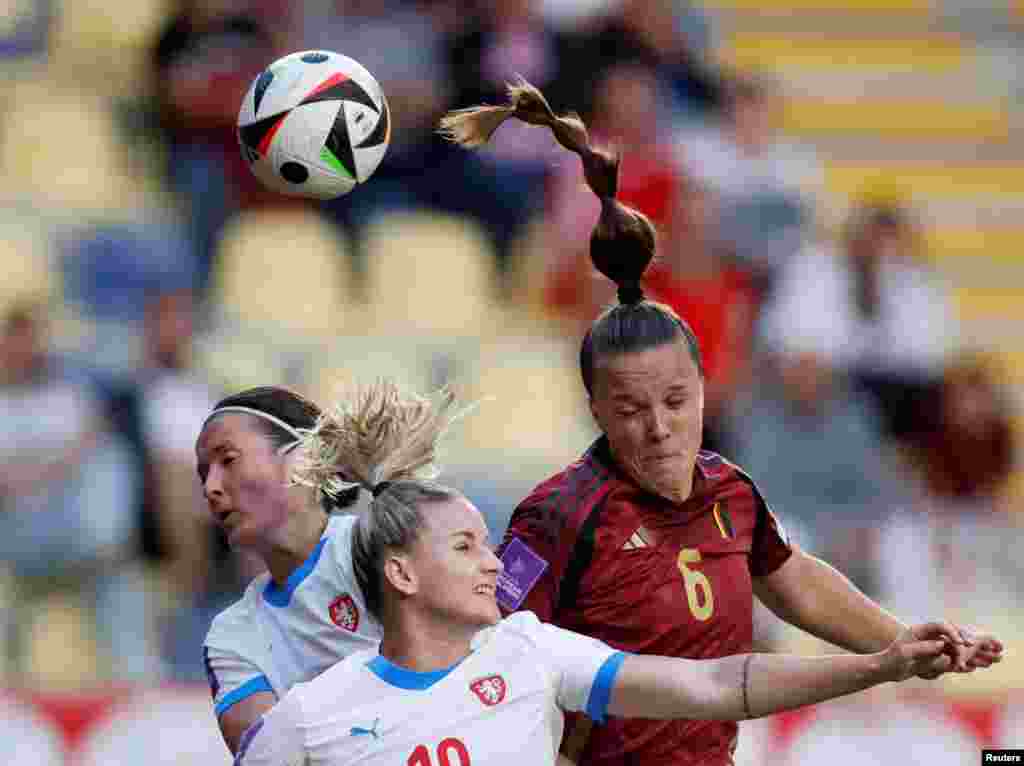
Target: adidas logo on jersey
637,540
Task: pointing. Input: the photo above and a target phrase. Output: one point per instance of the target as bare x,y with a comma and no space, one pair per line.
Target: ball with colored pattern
314,124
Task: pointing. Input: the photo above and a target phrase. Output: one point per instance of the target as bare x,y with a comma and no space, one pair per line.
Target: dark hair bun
622,244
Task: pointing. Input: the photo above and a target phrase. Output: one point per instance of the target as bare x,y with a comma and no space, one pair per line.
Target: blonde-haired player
453,684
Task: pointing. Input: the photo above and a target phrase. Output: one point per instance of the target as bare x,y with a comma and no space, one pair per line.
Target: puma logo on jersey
637,540
356,731
490,690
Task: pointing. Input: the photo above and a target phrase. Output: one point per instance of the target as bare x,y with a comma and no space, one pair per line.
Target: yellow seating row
991,303
921,7
289,270
922,120
978,182
936,54
1003,245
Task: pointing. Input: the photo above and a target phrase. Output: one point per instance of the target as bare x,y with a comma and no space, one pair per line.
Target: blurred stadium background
840,189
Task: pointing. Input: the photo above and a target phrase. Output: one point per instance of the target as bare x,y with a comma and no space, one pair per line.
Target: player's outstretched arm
753,685
812,595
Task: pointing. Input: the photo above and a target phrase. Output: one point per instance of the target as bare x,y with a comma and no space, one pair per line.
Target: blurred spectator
668,35
203,63
813,447
649,180
173,401
967,458
404,46
696,275
111,269
763,183
66,492
167,404
874,309
961,542
501,41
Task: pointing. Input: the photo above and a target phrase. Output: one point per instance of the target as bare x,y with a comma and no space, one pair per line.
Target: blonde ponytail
379,433
384,440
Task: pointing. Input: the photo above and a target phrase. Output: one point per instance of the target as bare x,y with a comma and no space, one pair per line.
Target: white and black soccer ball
314,124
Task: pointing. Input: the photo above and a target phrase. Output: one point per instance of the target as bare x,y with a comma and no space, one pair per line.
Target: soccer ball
314,124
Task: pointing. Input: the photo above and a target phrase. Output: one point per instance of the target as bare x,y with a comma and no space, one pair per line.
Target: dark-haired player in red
646,542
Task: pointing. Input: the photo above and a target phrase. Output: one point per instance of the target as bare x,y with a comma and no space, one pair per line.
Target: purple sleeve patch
523,568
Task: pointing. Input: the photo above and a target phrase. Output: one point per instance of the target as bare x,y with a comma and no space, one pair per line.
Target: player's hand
921,650
982,650
976,650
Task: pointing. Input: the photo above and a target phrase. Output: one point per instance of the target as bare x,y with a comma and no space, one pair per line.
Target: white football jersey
500,706
273,637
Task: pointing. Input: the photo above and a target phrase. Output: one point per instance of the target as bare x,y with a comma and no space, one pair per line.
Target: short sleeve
583,669
528,552
771,546
275,739
232,678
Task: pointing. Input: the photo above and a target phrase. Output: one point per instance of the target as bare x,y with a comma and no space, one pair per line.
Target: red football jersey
645,576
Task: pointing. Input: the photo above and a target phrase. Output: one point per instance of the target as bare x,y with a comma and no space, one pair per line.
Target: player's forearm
820,600
848,618
738,687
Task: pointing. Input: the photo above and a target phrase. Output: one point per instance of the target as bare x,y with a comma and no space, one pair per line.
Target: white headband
289,429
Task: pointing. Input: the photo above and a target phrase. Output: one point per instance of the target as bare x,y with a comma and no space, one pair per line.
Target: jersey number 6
421,755
695,581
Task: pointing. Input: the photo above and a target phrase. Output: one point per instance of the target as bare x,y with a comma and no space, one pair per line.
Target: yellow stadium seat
991,303
25,262
88,24
937,54
62,148
62,651
235,362
104,49
1004,244
896,119
1015,488
364,360
1002,182
1010,365
430,275
922,7
287,272
532,409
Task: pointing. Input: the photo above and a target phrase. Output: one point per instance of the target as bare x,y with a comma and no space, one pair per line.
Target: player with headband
647,542
452,683
307,611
